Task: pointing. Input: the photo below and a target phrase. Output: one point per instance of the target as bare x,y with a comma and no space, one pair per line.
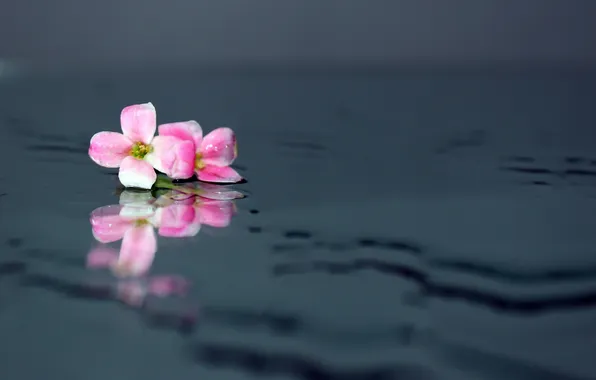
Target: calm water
396,226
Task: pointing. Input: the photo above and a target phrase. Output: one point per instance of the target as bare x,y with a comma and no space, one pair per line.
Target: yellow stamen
199,164
140,150
141,222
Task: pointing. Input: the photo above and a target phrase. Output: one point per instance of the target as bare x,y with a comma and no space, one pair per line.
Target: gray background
393,156
68,33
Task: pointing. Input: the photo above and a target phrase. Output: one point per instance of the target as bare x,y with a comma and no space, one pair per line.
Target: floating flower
137,151
214,153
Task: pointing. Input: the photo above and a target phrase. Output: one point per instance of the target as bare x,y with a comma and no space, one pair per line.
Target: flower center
141,222
199,164
140,150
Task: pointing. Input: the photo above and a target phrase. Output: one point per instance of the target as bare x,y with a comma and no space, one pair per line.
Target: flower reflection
132,260
133,290
173,214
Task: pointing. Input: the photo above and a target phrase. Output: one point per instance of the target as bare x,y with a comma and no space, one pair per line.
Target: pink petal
189,230
219,174
216,213
173,156
179,220
101,257
177,215
137,251
166,285
136,173
107,224
219,147
184,130
139,122
108,149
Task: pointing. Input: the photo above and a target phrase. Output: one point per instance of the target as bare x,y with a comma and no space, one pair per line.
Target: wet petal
184,130
216,213
101,257
219,147
107,225
219,174
139,122
108,149
173,156
137,251
136,173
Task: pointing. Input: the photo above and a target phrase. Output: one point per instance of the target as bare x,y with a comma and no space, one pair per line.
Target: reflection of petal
138,122
136,173
179,220
219,147
216,213
163,286
133,212
180,197
136,198
107,224
219,174
132,293
137,251
177,215
108,149
214,191
101,257
163,201
188,230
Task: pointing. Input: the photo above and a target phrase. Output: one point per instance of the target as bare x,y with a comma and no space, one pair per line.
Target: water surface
410,225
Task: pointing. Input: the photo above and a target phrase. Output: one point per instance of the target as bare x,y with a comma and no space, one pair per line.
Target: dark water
397,225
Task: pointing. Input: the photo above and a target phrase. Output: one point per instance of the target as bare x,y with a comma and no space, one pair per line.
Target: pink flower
214,153
137,151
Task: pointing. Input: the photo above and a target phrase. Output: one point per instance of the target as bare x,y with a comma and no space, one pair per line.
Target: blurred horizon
66,35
